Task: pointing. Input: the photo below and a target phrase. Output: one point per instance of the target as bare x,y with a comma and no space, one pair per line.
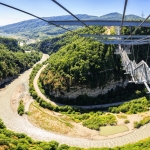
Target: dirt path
20,124
54,103
37,88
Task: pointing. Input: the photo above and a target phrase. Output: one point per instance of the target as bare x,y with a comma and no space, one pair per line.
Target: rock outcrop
76,91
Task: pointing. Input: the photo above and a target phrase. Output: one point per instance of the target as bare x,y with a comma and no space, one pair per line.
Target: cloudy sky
47,8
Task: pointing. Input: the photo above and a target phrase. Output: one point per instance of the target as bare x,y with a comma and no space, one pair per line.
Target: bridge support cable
147,87
125,5
147,53
73,15
49,22
140,73
138,52
133,53
101,23
138,27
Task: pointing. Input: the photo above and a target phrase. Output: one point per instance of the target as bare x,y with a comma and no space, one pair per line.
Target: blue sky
46,8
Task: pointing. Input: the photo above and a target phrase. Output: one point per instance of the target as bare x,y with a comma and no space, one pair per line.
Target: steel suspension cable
137,28
35,16
133,58
125,5
137,53
147,53
73,16
133,53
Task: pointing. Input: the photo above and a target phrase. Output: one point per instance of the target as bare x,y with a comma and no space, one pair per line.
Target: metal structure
102,23
117,39
114,36
138,27
72,15
140,72
125,43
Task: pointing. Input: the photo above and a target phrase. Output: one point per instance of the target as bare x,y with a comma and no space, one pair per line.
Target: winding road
21,124
40,94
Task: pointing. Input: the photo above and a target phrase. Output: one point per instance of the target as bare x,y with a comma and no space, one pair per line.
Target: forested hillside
36,28
80,62
13,59
10,44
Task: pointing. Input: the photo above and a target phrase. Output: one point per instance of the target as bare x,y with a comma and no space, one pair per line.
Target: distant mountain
37,29
117,16
133,17
111,16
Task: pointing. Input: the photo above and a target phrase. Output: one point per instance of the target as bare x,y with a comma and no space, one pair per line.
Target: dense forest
13,59
10,44
83,62
79,62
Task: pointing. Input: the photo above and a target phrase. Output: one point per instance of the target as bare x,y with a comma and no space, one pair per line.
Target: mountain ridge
37,29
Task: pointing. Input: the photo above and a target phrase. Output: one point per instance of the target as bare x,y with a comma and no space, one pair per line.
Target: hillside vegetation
10,44
84,62
37,29
79,62
13,59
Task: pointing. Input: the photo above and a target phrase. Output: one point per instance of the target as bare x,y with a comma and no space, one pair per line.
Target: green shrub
53,145
2,126
22,146
144,121
63,147
95,122
21,108
8,133
4,142
126,121
137,124
132,107
20,135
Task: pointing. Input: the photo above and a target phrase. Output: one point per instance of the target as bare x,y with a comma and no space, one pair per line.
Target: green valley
71,84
